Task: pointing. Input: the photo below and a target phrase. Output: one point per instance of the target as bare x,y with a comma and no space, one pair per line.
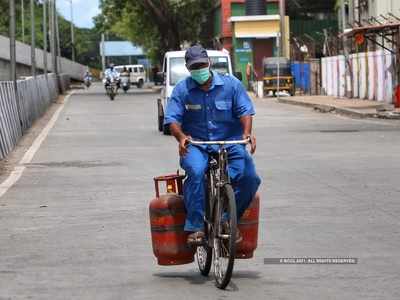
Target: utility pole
72,33
282,12
33,42
23,20
44,38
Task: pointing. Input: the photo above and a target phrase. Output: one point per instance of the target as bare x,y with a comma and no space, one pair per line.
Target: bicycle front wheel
204,252
225,240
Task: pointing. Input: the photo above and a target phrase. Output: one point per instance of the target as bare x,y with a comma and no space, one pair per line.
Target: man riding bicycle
209,106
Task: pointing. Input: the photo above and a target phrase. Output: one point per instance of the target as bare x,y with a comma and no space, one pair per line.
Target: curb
324,108
156,88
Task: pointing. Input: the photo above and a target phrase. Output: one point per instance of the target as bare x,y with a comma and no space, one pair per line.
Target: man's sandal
196,238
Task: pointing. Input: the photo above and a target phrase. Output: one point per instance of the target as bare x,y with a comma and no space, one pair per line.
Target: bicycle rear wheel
225,242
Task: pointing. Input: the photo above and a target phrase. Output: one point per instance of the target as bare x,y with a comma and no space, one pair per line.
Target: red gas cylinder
167,220
248,226
397,97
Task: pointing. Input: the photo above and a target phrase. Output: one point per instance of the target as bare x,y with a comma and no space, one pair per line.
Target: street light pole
44,38
58,47
13,70
33,41
53,36
13,54
51,33
22,20
72,33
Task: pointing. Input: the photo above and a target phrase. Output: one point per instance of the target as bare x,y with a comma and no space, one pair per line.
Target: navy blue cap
195,55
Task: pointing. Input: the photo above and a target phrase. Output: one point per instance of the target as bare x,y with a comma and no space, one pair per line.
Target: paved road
330,188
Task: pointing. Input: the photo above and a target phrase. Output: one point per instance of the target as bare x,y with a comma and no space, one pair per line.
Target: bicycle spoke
225,238
225,250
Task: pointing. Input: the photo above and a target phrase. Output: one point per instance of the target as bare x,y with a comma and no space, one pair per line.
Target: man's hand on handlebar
183,143
252,142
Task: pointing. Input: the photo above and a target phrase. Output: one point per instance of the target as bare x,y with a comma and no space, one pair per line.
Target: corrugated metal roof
121,48
371,29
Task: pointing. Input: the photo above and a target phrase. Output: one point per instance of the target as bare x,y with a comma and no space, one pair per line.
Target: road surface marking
18,170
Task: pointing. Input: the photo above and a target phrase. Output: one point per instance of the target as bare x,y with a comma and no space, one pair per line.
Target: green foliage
4,20
86,40
158,25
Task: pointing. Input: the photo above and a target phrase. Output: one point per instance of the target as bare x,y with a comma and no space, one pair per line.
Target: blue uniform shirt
212,115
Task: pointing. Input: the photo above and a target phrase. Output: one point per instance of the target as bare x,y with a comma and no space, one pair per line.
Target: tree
86,40
158,25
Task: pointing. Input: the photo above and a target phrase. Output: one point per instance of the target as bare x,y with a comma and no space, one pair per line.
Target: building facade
248,38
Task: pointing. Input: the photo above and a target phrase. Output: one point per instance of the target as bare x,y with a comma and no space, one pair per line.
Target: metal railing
18,114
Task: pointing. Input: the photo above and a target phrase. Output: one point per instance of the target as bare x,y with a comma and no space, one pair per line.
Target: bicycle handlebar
238,142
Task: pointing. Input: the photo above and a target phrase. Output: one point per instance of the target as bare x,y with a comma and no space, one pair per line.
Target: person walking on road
208,106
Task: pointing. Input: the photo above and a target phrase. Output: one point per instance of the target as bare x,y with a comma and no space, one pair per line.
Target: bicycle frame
217,177
219,247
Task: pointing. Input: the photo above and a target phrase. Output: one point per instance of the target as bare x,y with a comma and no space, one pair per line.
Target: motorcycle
125,83
87,81
111,85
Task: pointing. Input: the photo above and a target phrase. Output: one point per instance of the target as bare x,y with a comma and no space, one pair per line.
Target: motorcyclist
125,72
88,75
110,73
125,79
87,78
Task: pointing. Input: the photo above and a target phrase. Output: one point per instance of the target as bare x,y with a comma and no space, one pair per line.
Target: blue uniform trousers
241,170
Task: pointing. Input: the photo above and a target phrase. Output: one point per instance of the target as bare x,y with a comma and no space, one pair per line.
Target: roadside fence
17,115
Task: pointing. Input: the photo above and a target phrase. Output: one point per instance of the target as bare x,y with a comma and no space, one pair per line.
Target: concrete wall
22,70
74,70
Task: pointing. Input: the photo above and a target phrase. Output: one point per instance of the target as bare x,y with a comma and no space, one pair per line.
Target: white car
174,70
137,74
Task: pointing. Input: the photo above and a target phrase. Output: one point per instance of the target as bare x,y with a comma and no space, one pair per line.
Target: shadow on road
103,93
195,278
246,274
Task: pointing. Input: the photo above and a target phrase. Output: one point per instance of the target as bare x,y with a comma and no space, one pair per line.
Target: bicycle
220,221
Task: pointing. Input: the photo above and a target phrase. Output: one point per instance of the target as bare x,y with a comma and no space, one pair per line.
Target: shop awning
259,27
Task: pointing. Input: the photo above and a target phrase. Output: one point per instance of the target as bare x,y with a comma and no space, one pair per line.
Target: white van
137,74
174,70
